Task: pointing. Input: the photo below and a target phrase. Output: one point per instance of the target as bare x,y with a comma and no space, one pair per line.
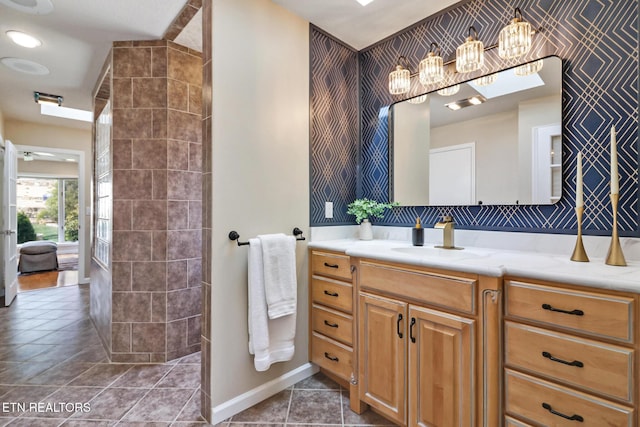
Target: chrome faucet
447,226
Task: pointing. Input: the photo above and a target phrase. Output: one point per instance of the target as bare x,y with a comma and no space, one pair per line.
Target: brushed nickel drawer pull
326,264
330,357
573,312
575,363
331,294
574,417
331,325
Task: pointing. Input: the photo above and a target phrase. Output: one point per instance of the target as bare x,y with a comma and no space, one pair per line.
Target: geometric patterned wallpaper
335,143
598,42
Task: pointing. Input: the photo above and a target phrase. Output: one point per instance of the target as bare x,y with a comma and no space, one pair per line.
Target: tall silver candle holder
579,254
615,255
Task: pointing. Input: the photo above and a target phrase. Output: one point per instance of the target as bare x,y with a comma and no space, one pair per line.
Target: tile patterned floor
51,357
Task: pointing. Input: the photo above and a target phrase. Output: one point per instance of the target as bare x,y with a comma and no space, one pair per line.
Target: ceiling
76,37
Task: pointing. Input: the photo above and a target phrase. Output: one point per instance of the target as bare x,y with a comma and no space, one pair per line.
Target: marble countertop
494,262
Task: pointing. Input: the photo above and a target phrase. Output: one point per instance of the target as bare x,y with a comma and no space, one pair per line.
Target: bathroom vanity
477,337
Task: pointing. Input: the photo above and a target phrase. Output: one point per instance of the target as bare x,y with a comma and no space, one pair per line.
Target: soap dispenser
418,233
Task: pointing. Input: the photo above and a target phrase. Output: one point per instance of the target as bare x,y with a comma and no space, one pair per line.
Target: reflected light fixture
470,54
529,68
418,99
515,39
463,103
23,39
431,68
364,2
400,78
448,91
486,80
27,156
45,98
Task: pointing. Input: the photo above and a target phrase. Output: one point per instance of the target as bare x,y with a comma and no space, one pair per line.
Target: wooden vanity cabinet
332,327
428,345
570,355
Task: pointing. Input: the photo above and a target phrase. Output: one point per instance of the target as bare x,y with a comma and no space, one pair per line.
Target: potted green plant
364,209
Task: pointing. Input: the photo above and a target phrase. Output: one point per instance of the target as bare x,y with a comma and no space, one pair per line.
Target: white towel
280,282
270,341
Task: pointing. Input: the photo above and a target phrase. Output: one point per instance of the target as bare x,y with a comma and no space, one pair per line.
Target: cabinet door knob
398,325
413,323
575,312
331,294
575,363
574,417
330,357
331,325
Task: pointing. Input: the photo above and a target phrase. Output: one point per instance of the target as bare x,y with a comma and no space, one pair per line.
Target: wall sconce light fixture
470,54
515,39
431,68
45,98
400,78
528,68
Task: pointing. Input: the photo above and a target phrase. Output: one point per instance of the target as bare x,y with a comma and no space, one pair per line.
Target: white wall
534,113
260,172
58,137
411,132
2,207
496,153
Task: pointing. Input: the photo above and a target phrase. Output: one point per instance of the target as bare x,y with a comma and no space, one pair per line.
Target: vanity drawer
332,356
332,324
600,315
452,292
332,293
526,395
332,265
601,368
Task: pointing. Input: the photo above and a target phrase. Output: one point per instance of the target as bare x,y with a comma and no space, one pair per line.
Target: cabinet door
382,355
441,369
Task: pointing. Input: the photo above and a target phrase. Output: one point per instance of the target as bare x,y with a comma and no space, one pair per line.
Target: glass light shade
418,99
514,39
486,80
470,56
529,68
431,69
448,91
399,81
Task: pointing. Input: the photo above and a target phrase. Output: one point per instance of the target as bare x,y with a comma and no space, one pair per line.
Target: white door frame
10,223
541,162
82,217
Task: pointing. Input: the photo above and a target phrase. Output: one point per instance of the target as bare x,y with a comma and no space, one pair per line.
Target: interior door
452,185
10,226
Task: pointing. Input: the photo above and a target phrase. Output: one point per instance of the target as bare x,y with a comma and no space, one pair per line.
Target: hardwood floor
47,279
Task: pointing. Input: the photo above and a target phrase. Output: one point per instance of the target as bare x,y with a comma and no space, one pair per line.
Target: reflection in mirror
497,141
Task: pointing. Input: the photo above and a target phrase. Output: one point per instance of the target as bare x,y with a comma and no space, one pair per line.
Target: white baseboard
246,400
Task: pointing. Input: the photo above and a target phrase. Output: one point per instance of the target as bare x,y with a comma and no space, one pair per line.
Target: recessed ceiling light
24,66
70,160
364,2
33,7
66,113
23,39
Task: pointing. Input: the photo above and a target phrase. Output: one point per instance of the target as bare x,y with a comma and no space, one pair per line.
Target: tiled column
152,298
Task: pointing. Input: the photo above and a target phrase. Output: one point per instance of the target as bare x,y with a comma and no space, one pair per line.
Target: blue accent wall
335,142
598,42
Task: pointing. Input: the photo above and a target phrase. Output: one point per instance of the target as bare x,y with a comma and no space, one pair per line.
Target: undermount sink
436,252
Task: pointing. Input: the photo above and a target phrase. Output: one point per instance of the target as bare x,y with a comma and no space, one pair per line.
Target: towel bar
233,235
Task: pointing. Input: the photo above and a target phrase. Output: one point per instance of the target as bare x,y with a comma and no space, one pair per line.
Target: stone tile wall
156,97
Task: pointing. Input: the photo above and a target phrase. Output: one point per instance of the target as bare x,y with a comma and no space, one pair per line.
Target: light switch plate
328,210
